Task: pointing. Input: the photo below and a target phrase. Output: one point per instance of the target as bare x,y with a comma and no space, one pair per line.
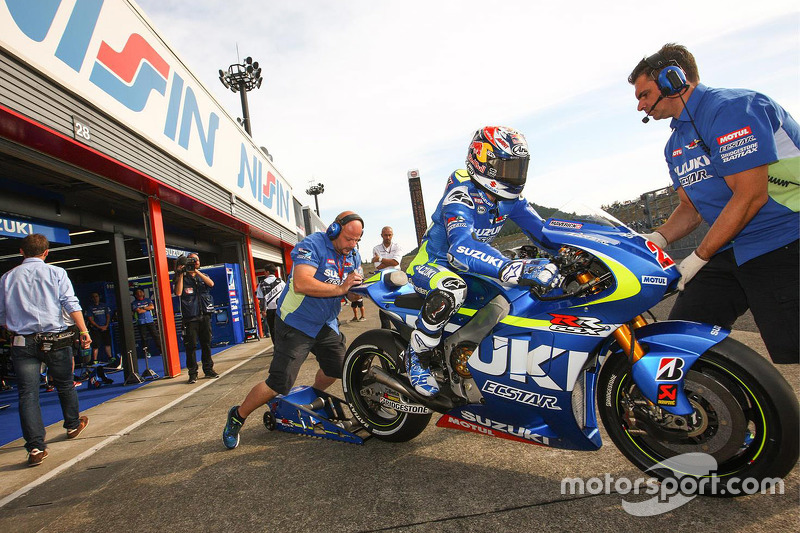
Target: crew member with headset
194,289
734,159
326,266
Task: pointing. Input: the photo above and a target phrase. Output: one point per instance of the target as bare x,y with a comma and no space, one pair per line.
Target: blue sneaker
230,435
420,377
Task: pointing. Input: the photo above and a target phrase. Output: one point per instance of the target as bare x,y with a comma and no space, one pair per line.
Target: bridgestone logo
404,408
734,135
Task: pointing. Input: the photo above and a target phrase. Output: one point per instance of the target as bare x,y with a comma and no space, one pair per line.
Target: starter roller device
314,413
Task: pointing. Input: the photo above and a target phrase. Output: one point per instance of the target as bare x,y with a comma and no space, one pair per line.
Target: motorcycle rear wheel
381,348
746,417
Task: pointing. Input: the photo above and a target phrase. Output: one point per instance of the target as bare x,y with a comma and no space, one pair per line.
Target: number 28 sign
81,130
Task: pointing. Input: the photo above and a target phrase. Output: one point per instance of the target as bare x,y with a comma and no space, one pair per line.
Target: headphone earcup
671,80
333,230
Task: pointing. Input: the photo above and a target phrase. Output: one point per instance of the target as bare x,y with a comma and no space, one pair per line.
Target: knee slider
439,306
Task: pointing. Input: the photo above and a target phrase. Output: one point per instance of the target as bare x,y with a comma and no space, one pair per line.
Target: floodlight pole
245,108
241,78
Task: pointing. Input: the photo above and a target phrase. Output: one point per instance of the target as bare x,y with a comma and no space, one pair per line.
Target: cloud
357,92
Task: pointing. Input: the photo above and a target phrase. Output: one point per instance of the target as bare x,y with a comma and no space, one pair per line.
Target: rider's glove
530,272
657,238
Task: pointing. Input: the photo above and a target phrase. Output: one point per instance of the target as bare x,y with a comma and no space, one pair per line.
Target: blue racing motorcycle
536,367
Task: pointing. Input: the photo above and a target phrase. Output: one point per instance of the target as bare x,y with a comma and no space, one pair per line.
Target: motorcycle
536,366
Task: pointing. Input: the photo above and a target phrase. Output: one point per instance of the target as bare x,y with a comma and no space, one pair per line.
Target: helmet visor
511,171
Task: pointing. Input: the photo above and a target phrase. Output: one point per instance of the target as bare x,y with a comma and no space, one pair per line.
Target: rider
476,204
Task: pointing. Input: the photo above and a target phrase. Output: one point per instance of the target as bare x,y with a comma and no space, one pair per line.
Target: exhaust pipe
439,403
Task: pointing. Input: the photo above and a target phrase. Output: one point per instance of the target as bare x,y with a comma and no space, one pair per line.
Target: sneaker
49,388
362,319
212,375
114,364
72,433
192,379
36,456
230,435
354,319
420,377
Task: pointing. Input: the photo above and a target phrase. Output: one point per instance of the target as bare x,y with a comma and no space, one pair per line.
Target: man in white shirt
386,254
268,292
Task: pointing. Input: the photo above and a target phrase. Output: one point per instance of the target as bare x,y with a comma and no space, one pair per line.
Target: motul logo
734,135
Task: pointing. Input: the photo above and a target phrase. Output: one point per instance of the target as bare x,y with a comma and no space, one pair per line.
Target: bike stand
313,413
148,374
95,375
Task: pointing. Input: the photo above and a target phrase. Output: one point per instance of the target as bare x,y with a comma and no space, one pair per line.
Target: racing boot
230,435
420,376
418,372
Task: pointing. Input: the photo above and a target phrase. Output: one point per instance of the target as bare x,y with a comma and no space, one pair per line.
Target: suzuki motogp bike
536,366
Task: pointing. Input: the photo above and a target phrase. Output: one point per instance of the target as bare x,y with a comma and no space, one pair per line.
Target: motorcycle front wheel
741,437
364,395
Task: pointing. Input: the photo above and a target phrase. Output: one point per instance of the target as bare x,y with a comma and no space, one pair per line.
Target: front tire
745,417
381,348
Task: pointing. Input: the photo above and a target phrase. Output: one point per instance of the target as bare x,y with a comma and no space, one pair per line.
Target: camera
185,264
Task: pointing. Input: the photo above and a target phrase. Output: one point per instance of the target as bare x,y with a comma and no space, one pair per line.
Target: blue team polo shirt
742,130
147,316
306,313
99,312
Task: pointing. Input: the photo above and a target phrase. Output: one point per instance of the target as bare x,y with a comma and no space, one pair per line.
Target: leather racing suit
465,222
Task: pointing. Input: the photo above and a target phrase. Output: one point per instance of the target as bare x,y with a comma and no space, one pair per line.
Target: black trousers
194,329
271,320
149,330
767,285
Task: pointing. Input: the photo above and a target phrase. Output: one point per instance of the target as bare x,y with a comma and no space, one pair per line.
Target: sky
358,92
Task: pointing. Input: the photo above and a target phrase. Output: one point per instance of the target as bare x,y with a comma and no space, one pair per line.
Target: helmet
497,161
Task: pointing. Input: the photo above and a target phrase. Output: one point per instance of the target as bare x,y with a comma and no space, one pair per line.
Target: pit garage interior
109,237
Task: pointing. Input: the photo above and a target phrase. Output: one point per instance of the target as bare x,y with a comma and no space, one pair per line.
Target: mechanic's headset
335,229
671,79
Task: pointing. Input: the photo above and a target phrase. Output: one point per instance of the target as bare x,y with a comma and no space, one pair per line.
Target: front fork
624,337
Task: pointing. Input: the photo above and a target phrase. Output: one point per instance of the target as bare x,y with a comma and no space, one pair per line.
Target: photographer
193,288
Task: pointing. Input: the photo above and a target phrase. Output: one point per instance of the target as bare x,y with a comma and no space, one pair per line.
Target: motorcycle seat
395,279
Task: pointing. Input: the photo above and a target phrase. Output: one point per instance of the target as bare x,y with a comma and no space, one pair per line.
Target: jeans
27,364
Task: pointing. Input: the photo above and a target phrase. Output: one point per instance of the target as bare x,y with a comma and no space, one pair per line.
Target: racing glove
530,272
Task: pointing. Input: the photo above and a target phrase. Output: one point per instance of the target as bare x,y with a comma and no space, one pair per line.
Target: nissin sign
106,51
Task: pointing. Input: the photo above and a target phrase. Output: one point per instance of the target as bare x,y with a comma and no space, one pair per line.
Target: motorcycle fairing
672,348
536,381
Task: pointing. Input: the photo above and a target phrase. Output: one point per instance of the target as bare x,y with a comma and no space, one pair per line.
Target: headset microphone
646,119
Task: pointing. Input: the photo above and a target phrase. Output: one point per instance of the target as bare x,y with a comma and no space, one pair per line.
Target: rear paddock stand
314,413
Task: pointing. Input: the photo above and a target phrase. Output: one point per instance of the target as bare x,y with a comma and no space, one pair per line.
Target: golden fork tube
624,337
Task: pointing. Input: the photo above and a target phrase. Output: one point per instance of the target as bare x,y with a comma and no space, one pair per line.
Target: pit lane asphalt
152,460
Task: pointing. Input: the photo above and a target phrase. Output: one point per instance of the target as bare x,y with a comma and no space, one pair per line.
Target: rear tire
746,417
381,348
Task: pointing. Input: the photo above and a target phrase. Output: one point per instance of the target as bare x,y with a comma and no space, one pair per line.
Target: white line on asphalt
97,447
